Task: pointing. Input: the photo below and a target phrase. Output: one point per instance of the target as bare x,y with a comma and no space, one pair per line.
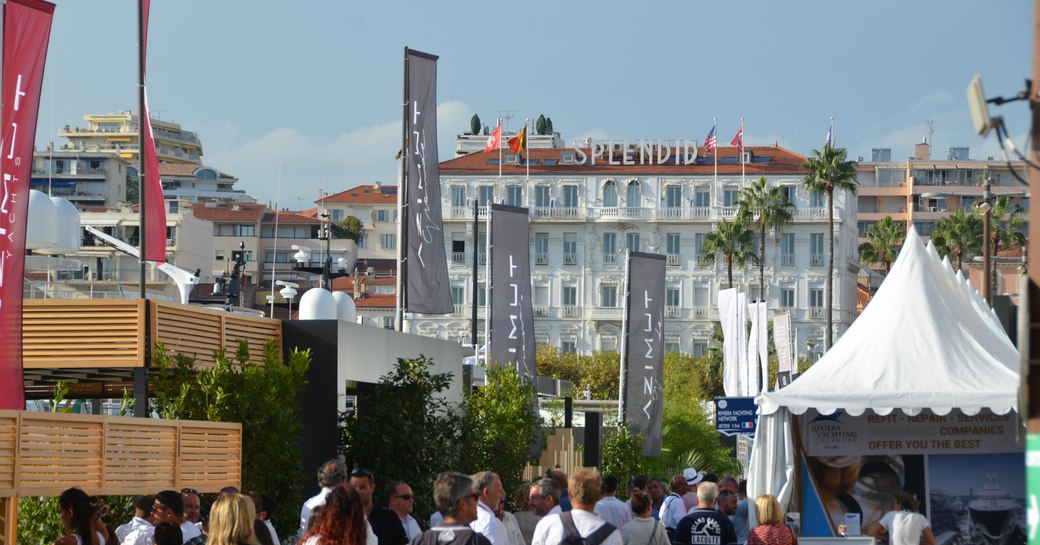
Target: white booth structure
919,394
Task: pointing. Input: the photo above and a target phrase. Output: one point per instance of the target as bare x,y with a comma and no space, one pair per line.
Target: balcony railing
816,260
570,258
607,313
673,260
610,258
728,212
817,313
458,258
541,310
556,212
702,312
614,212
810,213
673,312
461,308
569,311
541,258
787,260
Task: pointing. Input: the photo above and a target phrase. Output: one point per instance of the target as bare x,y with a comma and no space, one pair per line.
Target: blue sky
310,93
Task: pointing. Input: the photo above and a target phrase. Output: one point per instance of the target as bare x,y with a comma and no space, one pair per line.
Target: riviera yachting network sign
735,415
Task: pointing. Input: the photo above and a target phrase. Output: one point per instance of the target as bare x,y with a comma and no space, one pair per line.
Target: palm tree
734,241
959,234
828,171
1008,224
883,238
765,207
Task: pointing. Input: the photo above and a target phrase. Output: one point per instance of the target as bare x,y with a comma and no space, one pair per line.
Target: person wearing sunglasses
401,501
384,522
456,500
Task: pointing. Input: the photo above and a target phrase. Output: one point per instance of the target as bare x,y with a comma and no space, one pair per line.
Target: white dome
68,228
345,309
317,304
42,232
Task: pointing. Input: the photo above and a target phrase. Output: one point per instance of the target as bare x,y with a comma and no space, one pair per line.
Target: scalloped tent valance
926,341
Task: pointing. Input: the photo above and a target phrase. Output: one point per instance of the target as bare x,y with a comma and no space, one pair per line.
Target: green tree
541,126
826,172
623,454
352,228
407,403
883,240
734,241
1008,224
474,125
499,425
236,389
765,207
959,235
548,125
132,186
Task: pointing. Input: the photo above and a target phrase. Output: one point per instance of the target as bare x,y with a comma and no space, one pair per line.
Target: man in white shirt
401,501
139,530
545,497
490,487
169,507
610,508
586,488
332,473
673,509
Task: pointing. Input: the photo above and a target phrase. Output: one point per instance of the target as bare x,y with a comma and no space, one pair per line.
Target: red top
772,534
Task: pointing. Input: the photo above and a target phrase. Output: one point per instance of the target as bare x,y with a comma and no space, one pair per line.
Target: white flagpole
715,155
743,175
832,131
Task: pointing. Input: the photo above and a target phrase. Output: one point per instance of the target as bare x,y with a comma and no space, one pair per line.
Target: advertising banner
782,342
428,291
736,415
644,348
27,29
512,316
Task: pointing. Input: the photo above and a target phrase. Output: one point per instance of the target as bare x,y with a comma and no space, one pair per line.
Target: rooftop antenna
506,115
931,127
277,206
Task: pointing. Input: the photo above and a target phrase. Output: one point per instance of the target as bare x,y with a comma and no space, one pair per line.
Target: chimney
923,151
377,184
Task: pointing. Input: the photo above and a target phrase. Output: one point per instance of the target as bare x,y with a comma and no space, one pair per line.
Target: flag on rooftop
518,143
495,140
738,140
829,143
710,141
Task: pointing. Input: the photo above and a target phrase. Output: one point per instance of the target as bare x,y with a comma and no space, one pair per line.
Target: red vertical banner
27,30
154,204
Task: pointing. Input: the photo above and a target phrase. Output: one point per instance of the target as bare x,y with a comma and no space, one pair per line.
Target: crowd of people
695,508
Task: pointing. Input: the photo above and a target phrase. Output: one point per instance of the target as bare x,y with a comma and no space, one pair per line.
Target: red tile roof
363,194
368,300
248,212
287,217
781,161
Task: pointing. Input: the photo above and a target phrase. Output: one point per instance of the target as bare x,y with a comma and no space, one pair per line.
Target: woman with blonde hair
771,529
231,521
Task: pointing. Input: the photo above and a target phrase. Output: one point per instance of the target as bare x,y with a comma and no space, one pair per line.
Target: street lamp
984,207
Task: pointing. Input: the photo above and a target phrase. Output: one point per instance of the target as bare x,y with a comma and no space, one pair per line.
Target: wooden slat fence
42,454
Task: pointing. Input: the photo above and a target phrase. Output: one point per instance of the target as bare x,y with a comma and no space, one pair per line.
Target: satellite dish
42,232
317,304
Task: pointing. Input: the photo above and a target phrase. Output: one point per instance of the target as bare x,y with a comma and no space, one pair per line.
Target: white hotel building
584,216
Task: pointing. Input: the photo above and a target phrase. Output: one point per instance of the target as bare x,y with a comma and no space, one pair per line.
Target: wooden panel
82,333
45,453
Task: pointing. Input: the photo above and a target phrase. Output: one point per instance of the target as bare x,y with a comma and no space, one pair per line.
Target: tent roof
926,341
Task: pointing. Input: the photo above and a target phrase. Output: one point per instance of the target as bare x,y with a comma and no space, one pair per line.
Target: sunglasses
189,491
360,472
159,507
405,497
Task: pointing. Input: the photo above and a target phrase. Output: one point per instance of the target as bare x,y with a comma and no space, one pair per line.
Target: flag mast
402,208
715,156
743,175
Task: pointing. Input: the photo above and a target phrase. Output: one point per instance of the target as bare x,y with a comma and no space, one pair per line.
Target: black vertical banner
512,316
428,291
644,348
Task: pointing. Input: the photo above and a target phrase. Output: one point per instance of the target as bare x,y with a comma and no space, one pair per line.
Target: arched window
610,194
205,174
633,197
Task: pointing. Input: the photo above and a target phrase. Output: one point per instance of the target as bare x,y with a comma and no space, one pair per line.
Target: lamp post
984,207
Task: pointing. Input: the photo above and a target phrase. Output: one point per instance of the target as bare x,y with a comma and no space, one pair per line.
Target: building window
671,344
817,200
609,248
515,195
608,296
608,343
816,297
671,296
481,295
486,194
610,194
541,296
634,195
568,346
632,242
541,248
570,196
787,296
388,241
175,206
541,195
671,243
729,197
789,192
700,348
458,295
570,248
388,322
673,196
702,198
458,248
816,249
458,196
698,244
569,297
362,241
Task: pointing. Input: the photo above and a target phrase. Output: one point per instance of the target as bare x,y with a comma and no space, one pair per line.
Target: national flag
518,143
710,141
829,143
495,140
738,140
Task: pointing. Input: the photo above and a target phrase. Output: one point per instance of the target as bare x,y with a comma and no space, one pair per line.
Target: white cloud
308,164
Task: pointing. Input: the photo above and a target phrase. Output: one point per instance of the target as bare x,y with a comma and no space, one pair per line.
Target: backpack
572,537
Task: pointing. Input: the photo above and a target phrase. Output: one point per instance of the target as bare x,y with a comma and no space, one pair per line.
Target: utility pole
1029,408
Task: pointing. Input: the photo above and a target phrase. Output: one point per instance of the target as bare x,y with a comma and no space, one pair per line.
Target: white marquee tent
927,340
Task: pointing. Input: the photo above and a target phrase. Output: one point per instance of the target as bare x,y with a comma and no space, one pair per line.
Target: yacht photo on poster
977,499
